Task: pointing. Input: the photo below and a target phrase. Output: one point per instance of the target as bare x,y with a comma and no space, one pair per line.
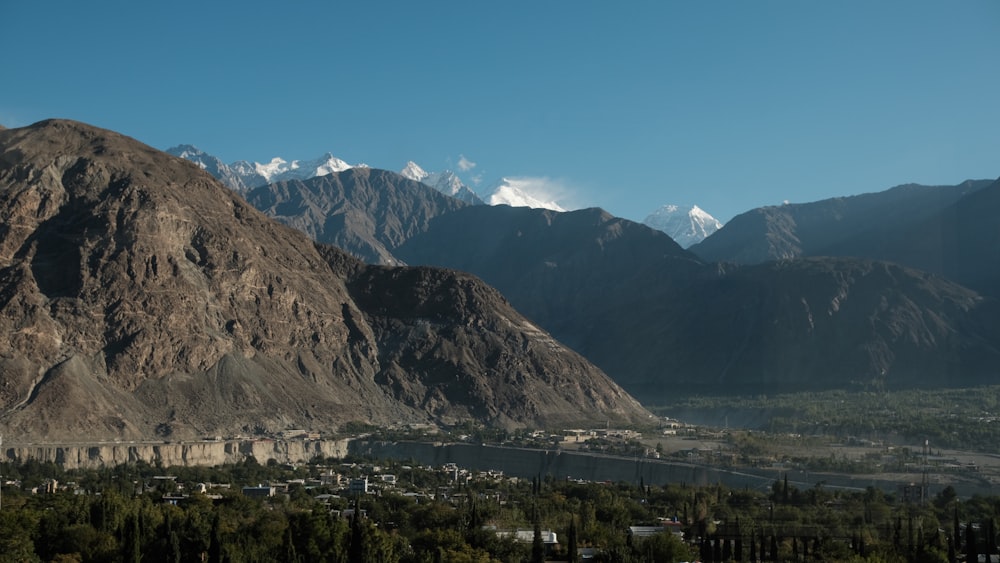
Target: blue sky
626,105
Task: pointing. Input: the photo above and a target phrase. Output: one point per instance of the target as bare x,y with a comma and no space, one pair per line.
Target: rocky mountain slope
832,323
659,320
142,298
960,241
367,212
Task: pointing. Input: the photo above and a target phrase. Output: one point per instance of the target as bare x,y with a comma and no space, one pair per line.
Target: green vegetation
966,419
126,514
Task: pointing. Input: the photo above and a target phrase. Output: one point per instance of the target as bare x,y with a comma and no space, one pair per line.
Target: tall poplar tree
215,545
358,550
571,550
971,549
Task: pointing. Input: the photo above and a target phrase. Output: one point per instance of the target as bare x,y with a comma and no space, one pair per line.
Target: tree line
118,515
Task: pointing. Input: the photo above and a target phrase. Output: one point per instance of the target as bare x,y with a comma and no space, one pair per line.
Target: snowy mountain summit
686,225
446,182
515,192
243,176
256,174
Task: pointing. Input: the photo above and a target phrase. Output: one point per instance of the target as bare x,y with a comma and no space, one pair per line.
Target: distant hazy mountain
243,175
515,192
947,230
838,226
507,191
960,241
686,225
140,299
446,182
255,174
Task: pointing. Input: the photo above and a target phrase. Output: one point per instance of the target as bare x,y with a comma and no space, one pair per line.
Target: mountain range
243,176
144,299
646,311
686,225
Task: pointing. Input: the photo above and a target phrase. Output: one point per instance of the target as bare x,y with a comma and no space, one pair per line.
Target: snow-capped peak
189,152
686,225
446,182
414,172
280,169
243,175
271,169
326,164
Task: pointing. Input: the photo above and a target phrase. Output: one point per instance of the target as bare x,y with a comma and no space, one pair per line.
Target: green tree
358,550
971,547
571,541
16,528
132,542
215,542
664,547
537,547
173,540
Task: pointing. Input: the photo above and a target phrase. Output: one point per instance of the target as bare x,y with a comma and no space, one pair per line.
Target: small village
397,500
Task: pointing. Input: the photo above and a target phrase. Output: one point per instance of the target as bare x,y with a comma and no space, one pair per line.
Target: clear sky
628,106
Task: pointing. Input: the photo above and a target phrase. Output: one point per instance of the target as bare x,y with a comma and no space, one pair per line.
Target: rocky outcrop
209,453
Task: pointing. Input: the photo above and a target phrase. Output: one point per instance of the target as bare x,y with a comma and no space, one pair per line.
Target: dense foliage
118,515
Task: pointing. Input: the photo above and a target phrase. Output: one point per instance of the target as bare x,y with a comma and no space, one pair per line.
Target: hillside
841,226
659,321
960,241
143,298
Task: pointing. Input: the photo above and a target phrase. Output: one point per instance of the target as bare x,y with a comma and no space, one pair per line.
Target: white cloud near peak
464,164
535,191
